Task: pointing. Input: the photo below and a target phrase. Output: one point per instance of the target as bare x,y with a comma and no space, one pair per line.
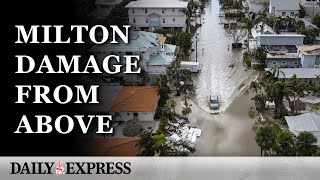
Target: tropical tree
302,12
261,55
265,138
294,88
305,144
162,83
316,20
276,22
247,59
255,86
186,111
299,25
285,145
143,75
249,22
159,140
146,143
172,104
259,101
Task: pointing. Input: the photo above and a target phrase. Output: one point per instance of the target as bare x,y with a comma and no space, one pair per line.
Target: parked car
214,102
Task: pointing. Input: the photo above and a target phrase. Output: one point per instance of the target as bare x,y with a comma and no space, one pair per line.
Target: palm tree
280,91
146,143
306,144
299,26
276,90
265,138
159,140
255,86
259,101
285,144
250,21
164,90
248,26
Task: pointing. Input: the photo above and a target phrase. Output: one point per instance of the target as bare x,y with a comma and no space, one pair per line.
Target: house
263,35
310,56
115,146
155,54
281,48
104,7
136,102
284,56
153,14
305,75
312,7
284,8
308,122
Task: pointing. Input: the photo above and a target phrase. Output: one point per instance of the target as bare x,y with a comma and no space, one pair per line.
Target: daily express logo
60,168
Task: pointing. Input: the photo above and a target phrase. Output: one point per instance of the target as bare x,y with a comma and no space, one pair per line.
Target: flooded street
230,132
215,57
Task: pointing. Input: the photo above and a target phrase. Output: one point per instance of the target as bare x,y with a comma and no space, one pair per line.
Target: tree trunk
261,151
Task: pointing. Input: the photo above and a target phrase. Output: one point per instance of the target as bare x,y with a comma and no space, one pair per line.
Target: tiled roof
136,99
113,146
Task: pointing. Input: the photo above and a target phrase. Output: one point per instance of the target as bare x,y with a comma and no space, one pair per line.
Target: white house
308,122
284,8
305,75
281,48
136,102
310,56
155,54
153,14
263,35
312,7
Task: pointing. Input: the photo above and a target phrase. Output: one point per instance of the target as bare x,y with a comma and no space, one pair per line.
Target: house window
163,20
145,10
173,9
147,20
135,114
128,114
283,62
295,62
284,13
162,10
129,53
291,13
134,20
132,11
174,19
274,63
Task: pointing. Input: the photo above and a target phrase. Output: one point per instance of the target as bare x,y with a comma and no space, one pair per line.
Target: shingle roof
157,4
136,99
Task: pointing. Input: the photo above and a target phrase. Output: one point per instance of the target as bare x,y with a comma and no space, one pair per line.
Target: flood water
215,56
